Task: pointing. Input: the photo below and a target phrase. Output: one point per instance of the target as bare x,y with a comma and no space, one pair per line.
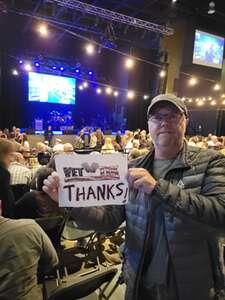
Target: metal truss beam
114,16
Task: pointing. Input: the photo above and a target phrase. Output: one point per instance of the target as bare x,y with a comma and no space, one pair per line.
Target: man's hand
141,179
51,186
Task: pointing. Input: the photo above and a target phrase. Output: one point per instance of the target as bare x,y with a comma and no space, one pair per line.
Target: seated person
108,147
26,249
19,173
37,204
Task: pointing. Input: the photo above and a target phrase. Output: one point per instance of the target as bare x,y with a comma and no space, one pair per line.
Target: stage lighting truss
114,16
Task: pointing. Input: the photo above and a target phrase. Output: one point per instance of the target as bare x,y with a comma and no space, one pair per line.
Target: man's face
167,125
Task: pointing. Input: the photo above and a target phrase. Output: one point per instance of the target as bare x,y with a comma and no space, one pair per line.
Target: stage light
61,69
90,49
81,87
217,87
43,30
85,84
20,61
15,72
213,103
37,64
223,102
98,91
108,90
183,98
145,97
130,94
193,81
54,67
116,93
77,71
90,73
28,67
223,95
211,9
162,73
190,100
174,1
129,63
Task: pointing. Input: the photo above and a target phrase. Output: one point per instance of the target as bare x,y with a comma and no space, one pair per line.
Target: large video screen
208,50
51,88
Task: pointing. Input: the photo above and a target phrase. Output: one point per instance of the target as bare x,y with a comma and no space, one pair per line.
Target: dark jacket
192,194
6,194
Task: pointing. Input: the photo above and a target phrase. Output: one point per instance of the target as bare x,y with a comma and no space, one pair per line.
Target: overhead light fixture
212,7
98,91
81,87
213,103
116,93
108,90
146,97
217,87
15,72
28,67
85,84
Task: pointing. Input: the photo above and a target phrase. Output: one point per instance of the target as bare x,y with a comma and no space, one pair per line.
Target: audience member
26,250
37,204
19,173
58,147
6,195
17,146
68,149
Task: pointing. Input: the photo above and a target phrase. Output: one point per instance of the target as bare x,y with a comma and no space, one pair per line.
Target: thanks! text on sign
92,180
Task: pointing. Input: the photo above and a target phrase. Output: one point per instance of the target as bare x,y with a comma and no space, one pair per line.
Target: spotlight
108,90
145,97
129,63
193,81
20,61
61,69
81,87
85,84
162,73
116,93
98,91
211,9
90,73
37,64
27,67
130,94
15,72
77,71
54,67
43,30
190,100
200,103
213,103
90,49
216,87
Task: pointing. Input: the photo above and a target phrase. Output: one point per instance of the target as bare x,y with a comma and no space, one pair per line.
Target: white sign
92,180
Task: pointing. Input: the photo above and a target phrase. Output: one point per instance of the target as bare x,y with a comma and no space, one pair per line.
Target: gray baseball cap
176,101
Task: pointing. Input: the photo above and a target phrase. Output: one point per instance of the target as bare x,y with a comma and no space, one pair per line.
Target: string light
193,81
213,103
90,49
129,63
223,102
81,87
200,103
130,94
85,84
223,96
217,87
146,97
98,91
162,73
43,30
190,100
116,93
108,90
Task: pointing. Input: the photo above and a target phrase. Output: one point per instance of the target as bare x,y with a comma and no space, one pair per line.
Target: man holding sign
176,205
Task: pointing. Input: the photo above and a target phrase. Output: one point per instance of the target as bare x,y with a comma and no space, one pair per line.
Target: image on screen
208,50
51,88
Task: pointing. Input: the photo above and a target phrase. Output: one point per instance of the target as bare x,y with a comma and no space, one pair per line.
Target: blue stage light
90,73
77,71
54,67
37,64
61,69
20,61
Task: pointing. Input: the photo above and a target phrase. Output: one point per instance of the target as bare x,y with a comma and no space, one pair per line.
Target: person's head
68,148
6,152
167,121
12,136
18,157
108,141
41,147
49,127
17,131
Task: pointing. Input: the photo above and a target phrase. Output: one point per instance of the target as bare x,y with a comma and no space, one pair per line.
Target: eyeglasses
159,118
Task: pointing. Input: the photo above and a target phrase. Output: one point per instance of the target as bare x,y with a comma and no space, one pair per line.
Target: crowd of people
24,171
